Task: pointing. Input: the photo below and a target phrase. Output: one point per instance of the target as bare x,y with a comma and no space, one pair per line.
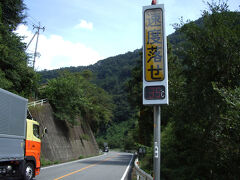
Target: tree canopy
195,139
73,97
15,75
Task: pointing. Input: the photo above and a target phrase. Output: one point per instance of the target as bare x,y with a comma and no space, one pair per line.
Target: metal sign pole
157,142
155,70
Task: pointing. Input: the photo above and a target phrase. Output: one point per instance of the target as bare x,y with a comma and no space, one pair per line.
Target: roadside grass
45,162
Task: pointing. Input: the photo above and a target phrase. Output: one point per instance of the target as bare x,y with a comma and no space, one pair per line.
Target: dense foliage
73,97
228,133
210,54
200,127
12,13
15,76
120,135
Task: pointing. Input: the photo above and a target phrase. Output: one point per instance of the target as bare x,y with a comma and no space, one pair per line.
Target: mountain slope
110,74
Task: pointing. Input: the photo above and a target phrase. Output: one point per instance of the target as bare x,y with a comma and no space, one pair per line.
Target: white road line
125,173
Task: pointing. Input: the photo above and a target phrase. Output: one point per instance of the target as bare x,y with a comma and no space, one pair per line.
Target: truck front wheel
28,171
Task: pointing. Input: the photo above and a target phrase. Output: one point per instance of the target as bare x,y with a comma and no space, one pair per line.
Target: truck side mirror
45,131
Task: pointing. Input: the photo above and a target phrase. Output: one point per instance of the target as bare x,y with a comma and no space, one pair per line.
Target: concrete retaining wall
64,143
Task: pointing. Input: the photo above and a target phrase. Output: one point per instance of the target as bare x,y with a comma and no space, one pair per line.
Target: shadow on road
12,178
121,160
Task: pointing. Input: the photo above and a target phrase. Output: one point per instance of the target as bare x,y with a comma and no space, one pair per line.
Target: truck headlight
9,168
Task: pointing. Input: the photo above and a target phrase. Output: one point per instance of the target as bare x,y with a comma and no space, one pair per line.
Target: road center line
74,172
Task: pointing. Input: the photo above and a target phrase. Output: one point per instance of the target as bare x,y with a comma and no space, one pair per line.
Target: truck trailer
20,143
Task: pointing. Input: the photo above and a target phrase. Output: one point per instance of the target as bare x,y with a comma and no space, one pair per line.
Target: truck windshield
36,130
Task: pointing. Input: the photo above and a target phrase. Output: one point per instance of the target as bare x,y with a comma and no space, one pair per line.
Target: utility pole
36,33
35,52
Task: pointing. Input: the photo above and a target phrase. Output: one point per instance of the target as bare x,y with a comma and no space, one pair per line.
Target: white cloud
84,25
57,52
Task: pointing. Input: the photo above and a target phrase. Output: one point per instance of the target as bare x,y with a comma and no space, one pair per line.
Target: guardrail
141,175
39,102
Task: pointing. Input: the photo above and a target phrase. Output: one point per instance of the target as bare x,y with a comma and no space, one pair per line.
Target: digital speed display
154,92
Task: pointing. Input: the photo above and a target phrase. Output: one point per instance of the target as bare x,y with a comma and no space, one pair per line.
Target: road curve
110,166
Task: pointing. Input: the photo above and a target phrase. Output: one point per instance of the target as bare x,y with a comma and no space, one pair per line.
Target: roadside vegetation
45,162
200,127
74,97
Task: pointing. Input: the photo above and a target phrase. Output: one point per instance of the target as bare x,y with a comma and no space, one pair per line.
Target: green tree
15,75
228,133
12,13
72,97
210,53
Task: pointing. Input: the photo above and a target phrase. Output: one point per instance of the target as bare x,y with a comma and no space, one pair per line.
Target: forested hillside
111,74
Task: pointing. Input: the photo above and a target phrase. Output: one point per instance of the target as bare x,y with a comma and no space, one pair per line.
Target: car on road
106,149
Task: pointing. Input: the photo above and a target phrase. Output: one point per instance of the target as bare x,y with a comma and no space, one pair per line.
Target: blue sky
81,32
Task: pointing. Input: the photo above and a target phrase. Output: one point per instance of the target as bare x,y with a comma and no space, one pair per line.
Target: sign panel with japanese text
154,67
155,71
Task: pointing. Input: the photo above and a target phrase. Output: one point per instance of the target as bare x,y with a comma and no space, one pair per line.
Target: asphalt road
110,166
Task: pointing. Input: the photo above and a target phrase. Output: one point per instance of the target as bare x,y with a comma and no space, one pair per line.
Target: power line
29,20
33,19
